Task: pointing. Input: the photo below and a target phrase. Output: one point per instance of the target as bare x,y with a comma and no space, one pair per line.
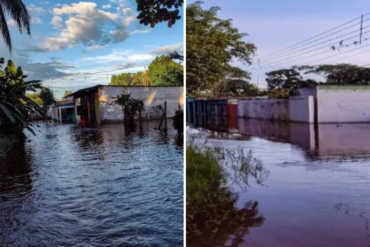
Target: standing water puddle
93,187
318,190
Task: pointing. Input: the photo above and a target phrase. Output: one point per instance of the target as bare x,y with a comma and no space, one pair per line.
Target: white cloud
164,50
107,6
119,35
36,20
87,25
140,31
119,56
127,11
12,22
57,22
34,9
95,47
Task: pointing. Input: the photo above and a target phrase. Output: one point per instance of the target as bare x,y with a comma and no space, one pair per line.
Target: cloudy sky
274,25
71,37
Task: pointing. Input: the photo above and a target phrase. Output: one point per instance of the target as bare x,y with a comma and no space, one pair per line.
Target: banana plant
14,104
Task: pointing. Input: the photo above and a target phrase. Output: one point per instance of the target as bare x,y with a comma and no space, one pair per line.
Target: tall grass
6,144
211,212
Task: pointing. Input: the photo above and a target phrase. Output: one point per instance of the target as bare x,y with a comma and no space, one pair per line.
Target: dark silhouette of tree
19,13
283,79
47,97
340,74
156,11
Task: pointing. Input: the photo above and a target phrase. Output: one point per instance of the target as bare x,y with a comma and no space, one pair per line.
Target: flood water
93,187
317,193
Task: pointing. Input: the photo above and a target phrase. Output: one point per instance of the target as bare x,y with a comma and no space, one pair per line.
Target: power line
274,61
86,73
310,39
305,57
338,54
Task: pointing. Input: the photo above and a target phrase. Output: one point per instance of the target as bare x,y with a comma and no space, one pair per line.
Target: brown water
318,190
96,187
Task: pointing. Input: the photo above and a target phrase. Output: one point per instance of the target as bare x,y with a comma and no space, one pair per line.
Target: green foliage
47,98
35,97
6,144
279,93
19,13
66,93
211,44
283,79
211,212
124,79
157,11
178,121
14,103
131,107
340,74
164,72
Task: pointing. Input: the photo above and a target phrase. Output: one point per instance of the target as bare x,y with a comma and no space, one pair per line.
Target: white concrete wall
343,106
295,109
268,109
153,96
301,109
307,91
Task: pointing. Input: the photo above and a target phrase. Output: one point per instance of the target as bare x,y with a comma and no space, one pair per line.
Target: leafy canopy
157,11
162,71
211,45
130,106
47,97
14,103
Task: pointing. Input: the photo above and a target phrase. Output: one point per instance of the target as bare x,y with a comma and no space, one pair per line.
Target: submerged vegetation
211,211
130,107
15,106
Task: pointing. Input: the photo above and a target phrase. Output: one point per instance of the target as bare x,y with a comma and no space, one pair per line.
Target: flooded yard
95,187
317,193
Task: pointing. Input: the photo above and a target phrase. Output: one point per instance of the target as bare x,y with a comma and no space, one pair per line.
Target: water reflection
317,193
234,227
99,186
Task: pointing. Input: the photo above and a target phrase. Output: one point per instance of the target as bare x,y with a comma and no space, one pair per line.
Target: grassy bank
211,212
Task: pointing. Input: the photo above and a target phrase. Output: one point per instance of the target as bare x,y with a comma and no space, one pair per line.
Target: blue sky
273,25
70,37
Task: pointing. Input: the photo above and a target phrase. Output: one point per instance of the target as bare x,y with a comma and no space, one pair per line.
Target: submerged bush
6,144
211,211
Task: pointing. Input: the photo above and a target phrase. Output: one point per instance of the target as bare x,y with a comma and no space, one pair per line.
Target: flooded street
317,193
93,187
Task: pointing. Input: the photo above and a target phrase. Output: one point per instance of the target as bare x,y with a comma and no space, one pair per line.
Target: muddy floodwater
317,193
96,187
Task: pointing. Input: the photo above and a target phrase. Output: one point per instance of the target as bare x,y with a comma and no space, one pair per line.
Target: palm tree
19,13
14,103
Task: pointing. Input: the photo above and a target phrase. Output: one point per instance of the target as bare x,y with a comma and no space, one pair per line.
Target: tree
339,73
124,79
138,79
130,107
165,72
156,11
211,44
283,79
232,83
14,103
19,13
66,93
47,97
35,97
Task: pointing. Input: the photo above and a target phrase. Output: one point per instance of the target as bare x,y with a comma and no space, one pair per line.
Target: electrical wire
299,44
